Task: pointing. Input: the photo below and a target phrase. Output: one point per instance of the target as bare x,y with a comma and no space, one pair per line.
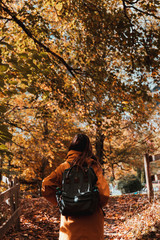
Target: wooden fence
13,195
152,167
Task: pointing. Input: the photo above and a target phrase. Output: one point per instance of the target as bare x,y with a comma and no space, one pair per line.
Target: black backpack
79,195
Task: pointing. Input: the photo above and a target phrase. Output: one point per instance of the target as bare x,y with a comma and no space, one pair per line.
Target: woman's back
80,227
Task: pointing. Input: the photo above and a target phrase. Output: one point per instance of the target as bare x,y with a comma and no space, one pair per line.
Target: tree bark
148,177
100,146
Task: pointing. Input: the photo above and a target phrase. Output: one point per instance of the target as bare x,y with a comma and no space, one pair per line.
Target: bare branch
2,39
144,12
135,8
125,11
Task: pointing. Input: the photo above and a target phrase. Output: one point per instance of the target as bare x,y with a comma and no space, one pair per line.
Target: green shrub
129,184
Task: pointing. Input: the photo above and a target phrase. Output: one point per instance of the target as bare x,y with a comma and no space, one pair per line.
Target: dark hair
82,144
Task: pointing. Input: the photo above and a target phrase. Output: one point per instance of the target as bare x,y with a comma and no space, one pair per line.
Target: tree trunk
113,175
100,146
148,177
0,169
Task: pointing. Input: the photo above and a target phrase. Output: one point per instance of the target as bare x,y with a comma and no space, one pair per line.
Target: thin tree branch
28,32
2,39
137,9
18,144
125,11
144,12
21,128
13,124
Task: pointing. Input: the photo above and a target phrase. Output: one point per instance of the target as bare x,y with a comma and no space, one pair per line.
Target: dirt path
40,220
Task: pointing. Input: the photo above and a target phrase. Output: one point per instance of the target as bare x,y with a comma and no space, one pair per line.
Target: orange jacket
84,227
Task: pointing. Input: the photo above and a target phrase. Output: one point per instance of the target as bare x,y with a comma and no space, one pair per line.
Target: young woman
83,227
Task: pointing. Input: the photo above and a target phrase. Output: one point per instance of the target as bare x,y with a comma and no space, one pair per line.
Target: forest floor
127,217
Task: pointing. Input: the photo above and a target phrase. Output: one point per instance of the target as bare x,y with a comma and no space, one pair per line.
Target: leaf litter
126,217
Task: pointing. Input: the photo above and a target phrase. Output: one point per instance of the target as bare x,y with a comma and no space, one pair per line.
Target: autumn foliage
69,66
77,66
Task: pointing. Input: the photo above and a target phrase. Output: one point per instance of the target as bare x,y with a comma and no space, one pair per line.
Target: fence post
148,177
17,196
11,201
11,194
